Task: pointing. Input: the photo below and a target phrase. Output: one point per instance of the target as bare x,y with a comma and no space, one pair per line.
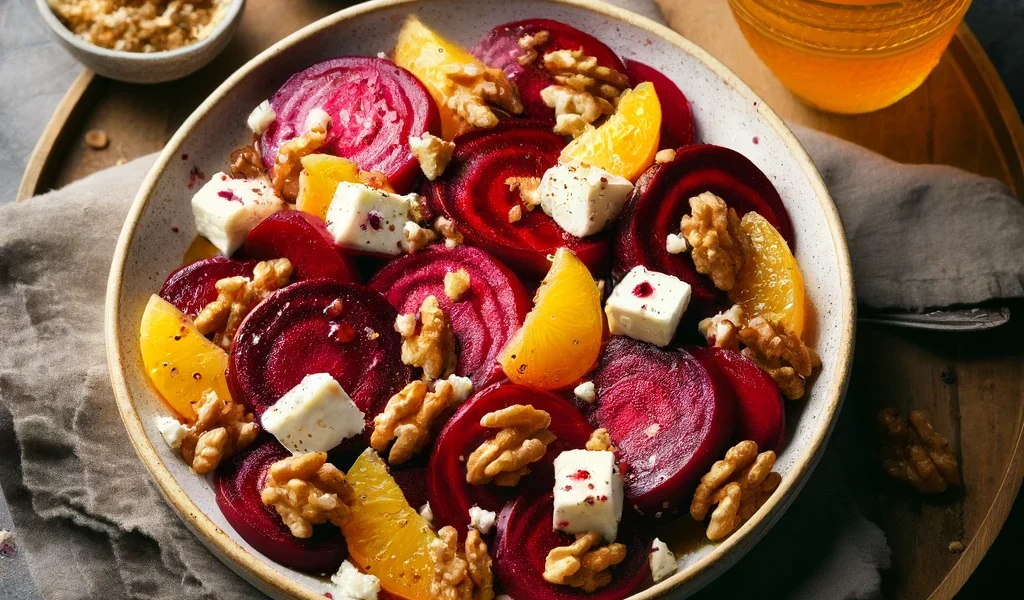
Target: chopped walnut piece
97,139
237,296
739,485
782,354
307,490
916,455
573,69
288,163
529,44
529,190
719,244
456,284
432,344
581,565
433,154
246,163
460,575
665,156
600,441
721,329
407,419
515,214
222,429
523,439
416,237
473,89
574,110
452,236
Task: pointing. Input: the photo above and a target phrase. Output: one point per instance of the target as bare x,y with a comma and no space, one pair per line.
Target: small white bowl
147,67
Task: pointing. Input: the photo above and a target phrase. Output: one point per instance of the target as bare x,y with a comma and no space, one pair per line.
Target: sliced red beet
662,196
303,239
320,326
525,536
500,49
451,496
760,410
374,105
193,286
671,415
677,125
238,485
483,319
474,195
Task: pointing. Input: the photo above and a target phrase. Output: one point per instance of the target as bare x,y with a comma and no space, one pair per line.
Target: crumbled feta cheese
172,431
427,513
582,199
433,154
227,209
585,392
368,219
317,119
676,244
652,430
482,520
462,388
354,585
261,117
314,416
647,306
588,493
662,561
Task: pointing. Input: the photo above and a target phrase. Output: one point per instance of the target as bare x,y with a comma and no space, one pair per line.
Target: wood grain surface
972,384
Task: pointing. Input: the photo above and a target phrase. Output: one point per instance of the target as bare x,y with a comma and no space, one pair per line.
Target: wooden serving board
973,384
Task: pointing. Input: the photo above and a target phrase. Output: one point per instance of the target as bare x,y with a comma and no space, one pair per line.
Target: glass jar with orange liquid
849,56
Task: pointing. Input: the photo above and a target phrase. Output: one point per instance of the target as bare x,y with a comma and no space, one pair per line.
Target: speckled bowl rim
256,569
232,12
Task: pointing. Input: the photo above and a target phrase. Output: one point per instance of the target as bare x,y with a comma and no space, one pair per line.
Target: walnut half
237,296
581,564
431,344
523,439
222,429
782,354
739,484
460,575
916,455
407,419
719,244
307,490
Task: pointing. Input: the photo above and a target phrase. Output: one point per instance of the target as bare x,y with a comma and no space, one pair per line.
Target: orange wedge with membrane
770,284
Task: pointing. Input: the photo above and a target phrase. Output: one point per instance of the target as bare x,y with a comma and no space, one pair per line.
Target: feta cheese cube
314,416
172,431
261,117
368,219
482,520
647,306
662,561
582,199
227,209
585,392
352,584
588,493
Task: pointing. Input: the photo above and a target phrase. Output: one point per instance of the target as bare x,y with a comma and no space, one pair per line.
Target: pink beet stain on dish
374,105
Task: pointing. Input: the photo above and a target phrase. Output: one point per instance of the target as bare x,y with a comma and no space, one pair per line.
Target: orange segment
200,248
181,363
385,536
429,57
561,337
770,284
321,174
626,143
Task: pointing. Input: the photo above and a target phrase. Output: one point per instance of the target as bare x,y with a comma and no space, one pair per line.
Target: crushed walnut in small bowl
139,25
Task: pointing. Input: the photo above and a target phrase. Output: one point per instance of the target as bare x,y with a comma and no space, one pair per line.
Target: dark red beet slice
450,496
193,286
500,49
374,105
760,410
298,331
484,318
303,239
473,194
677,125
525,536
411,477
671,414
662,196
238,486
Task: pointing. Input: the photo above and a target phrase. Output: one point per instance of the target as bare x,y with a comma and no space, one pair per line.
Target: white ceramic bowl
160,227
147,67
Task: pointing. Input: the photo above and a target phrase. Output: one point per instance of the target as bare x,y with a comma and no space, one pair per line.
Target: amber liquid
849,56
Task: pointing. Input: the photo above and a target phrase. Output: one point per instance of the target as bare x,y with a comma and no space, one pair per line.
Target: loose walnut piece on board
523,439
460,575
916,455
739,484
407,419
221,430
581,565
431,345
237,296
718,243
307,490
